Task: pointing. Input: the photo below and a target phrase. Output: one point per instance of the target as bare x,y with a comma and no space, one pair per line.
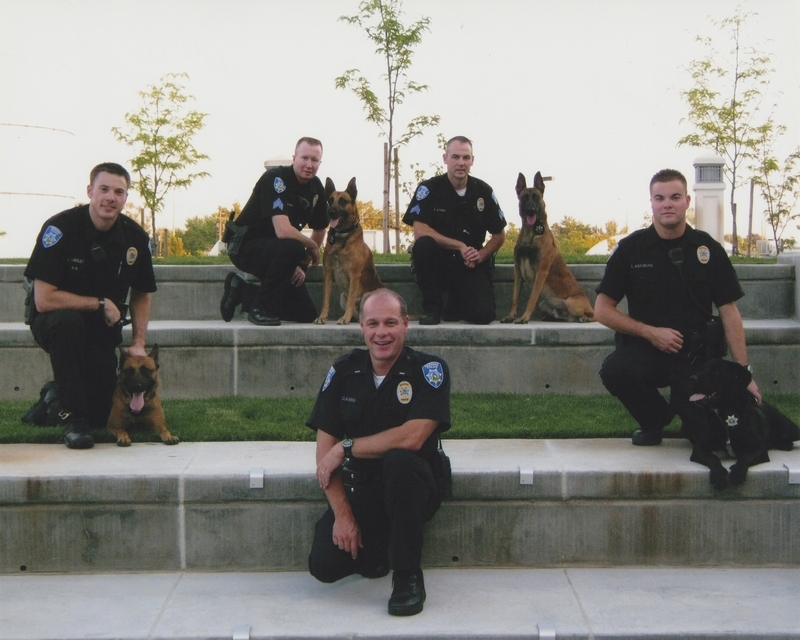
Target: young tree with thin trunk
779,183
381,21
161,133
724,102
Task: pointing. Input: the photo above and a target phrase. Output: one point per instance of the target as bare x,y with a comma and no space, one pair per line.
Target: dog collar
332,233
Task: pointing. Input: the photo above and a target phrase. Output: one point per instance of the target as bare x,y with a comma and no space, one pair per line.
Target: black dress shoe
429,319
76,434
408,594
232,296
646,438
260,317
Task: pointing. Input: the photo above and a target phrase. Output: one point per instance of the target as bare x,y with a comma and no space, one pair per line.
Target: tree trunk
386,171
396,201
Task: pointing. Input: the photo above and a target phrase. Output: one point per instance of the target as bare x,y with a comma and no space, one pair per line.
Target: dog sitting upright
538,262
346,259
136,401
737,418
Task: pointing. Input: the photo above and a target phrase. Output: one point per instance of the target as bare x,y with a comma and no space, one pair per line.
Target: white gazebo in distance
709,195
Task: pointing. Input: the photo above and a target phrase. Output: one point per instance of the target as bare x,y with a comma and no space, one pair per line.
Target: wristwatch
749,367
102,303
347,445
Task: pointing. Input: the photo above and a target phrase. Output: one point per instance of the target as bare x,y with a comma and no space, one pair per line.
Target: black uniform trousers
391,514
635,372
82,354
470,290
273,261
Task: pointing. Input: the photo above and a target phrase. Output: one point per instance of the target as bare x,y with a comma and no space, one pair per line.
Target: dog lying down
750,429
136,402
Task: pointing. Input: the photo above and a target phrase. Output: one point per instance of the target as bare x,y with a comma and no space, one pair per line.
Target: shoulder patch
328,378
279,185
434,374
278,204
422,192
50,236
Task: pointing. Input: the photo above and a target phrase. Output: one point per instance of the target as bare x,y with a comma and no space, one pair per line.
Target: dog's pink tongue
334,222
696,397
137,402
531,220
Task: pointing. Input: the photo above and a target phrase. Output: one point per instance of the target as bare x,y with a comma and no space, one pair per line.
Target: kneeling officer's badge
434,374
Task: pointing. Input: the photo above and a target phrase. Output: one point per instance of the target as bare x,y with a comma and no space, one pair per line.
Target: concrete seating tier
250,506
203,356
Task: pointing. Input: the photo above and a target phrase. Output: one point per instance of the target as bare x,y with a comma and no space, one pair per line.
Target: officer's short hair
112,168
668,175
386,292
462,139
313,142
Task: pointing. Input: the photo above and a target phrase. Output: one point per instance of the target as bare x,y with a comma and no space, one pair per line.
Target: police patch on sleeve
422,192
434,374
328,378
415,210
279,185
50,236
278,204
404,392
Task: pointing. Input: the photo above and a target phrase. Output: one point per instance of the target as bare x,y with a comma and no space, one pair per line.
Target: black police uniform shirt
466,218
74,256
416,387
642,271
278,192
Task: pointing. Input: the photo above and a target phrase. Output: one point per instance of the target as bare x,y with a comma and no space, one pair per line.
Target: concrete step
654,603
251,506
212,358
194,292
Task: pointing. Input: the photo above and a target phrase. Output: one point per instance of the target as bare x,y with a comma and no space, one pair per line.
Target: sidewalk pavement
639,602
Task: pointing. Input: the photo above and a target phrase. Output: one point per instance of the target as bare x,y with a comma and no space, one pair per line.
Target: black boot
76,433
37,414
408,593
232,296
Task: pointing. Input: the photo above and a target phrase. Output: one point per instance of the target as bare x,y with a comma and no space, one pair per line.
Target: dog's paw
343,320
522,320
507,319
124,442
738,473
168,438
320,320
719,478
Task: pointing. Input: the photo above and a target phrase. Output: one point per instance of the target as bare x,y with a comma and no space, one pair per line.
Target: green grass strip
475,416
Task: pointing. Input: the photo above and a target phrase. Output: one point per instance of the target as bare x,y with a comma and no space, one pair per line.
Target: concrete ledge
212,358
194,292
191,507
653,603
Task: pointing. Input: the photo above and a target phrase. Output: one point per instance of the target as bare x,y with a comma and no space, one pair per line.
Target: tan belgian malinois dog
347,259
136,402
538,262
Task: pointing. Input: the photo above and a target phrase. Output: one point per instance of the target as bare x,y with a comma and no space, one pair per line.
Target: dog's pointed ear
329,188
538,182
521,183
154,353
351,189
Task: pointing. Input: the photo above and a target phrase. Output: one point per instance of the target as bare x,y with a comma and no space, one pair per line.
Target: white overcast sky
587,91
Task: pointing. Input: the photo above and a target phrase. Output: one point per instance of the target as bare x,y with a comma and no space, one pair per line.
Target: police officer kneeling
85,261
378,417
